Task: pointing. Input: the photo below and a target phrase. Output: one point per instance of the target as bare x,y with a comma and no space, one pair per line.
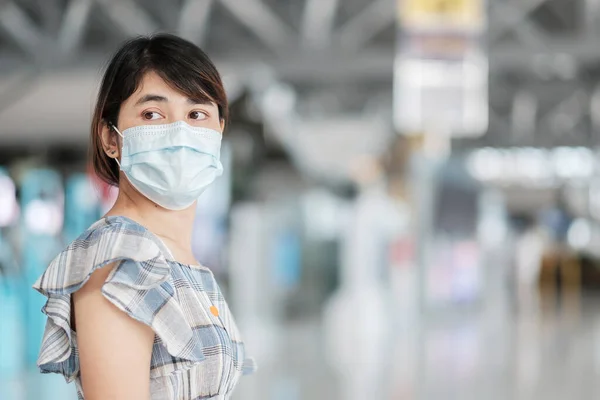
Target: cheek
128,116
212,123
217,126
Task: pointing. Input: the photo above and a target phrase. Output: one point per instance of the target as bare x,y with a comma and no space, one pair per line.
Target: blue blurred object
11,326
31,385
42,204
287,260
11,311
82,206
557,221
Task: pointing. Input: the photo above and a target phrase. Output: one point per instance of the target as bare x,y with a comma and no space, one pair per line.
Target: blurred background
411,203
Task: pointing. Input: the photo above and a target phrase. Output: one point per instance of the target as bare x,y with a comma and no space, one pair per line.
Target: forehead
151,83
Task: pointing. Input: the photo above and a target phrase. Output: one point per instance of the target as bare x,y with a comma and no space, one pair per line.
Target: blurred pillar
560,281
82,206
12,327
440,92
42,202
571,281
251,296
357,317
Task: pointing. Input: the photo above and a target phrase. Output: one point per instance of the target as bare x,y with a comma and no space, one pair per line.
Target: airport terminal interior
410,203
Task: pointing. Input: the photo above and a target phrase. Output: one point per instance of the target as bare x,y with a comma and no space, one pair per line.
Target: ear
222,124
110,140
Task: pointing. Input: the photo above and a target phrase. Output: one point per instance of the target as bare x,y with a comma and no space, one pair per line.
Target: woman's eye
197,115
151,115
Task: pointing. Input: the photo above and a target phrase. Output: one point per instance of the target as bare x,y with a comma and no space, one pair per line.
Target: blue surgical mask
171,164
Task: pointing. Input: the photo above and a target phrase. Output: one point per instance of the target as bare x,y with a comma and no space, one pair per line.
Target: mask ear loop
110,124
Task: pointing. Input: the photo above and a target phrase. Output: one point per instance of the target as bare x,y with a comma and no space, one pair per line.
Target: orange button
214,310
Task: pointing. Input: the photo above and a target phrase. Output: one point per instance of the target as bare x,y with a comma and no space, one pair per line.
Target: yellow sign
440,14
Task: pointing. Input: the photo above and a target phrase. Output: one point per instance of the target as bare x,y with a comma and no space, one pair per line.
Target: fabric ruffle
139,285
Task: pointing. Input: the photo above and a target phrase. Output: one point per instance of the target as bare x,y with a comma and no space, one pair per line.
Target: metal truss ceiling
297,37
544,54
56,32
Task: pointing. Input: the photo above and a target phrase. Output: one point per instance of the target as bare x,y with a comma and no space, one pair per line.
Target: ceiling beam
262,21
356,32
317,22
589,14
73,25
513,56
526,29
132,19
194,20
371,63
513,16
22,30
51,12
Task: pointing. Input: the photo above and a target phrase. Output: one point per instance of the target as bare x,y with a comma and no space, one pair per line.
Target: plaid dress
197,351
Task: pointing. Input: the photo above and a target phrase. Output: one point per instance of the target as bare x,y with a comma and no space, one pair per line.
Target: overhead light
8,202
43,217
579,234
278,100
531,165
571,163
485,164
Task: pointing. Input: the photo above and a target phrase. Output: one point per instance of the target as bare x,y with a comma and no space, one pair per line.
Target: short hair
182,64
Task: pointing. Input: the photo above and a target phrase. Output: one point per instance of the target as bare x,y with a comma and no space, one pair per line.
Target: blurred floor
521,355
549,355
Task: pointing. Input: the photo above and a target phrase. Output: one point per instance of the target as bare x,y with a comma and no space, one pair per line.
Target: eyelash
145,113
199,112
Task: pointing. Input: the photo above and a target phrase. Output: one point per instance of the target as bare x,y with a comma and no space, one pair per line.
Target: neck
174,227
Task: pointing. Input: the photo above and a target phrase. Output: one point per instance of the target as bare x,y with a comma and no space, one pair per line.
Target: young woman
131,313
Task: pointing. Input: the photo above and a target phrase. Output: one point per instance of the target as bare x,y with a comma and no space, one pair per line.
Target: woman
131,314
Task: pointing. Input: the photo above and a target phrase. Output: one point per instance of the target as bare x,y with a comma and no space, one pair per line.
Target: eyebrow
200,101
158,98
151,97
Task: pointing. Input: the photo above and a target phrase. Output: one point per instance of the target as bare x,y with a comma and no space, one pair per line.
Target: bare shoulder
114,349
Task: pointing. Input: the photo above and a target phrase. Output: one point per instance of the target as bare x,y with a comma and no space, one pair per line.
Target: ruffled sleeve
249,366
139,285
